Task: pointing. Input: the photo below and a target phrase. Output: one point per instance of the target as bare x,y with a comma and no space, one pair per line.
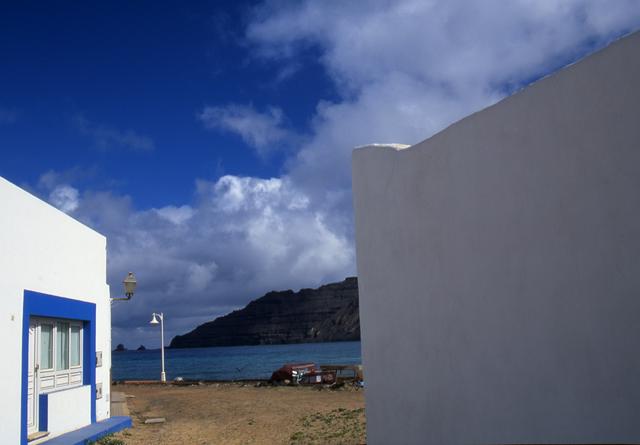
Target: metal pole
163,376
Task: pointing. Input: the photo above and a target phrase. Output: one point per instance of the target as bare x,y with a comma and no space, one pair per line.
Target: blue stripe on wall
43,408
37,304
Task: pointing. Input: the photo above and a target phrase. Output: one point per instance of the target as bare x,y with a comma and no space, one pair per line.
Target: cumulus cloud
239,238
65,198
200,276
106,137
57,188
402,70
263,131
51,178
177,215
406,69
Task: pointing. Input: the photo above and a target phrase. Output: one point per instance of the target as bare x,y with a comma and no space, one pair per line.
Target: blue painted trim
43,408
89,360
37,304
92,432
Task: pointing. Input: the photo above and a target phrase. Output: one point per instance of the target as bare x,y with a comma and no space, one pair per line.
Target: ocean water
229,362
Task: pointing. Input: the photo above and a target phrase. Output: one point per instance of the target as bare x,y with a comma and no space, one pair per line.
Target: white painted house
55,317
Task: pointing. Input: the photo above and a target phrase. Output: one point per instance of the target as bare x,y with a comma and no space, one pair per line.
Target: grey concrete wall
499,267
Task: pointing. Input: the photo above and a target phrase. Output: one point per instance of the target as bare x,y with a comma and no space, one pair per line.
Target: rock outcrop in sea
329,313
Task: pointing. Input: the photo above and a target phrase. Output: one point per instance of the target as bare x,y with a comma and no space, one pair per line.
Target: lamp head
154,320
130,285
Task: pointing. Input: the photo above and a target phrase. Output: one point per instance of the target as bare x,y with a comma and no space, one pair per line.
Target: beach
243,413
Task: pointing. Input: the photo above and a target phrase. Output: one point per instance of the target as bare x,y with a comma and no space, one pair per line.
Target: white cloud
408,68
200,276
263,131
65,198
177,215
403,70
106,137
235,193
241,237
52,178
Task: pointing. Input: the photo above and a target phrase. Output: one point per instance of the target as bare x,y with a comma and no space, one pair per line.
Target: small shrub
107,440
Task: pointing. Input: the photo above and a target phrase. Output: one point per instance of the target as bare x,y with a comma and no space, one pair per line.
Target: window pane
46,346
62,346
75,346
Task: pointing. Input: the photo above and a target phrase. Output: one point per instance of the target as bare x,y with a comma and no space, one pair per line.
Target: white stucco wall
45,250
65,408
499,268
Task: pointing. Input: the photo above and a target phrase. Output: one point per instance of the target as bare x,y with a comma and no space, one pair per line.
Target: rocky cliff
329,313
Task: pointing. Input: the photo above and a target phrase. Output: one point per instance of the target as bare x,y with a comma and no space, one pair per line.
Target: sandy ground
233,413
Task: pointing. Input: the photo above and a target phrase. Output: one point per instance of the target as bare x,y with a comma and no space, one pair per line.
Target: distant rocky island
329,313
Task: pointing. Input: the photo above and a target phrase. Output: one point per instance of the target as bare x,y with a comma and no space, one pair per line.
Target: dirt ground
233,413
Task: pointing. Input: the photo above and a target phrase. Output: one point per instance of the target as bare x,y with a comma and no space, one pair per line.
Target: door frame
33,369
37,304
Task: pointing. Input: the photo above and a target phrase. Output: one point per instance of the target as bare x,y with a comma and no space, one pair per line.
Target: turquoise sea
229,362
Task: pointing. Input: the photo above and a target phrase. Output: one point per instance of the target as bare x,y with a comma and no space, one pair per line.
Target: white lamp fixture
130,284
154,320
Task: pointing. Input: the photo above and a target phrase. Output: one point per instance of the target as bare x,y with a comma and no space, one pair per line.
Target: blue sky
136,67
211,141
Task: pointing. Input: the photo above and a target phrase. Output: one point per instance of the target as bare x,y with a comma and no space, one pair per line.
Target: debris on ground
155,420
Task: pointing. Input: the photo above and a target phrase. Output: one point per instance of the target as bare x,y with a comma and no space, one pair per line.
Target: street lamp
154,320
129,287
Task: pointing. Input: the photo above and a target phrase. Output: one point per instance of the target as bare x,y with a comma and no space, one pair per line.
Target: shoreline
185,382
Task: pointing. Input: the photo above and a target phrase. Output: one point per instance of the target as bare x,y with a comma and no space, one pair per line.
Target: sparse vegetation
107,440
337,427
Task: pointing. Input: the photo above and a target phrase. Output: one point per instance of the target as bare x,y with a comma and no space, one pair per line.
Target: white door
32,378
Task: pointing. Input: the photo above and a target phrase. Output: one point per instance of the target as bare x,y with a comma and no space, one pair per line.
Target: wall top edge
392,146
24,194
629,38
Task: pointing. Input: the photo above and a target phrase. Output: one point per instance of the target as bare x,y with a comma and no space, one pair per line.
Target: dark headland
329,313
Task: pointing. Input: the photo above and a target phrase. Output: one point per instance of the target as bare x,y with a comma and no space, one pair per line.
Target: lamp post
154,320
129,287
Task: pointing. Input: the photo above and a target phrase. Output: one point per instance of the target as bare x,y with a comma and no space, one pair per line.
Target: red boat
293,372
302,373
